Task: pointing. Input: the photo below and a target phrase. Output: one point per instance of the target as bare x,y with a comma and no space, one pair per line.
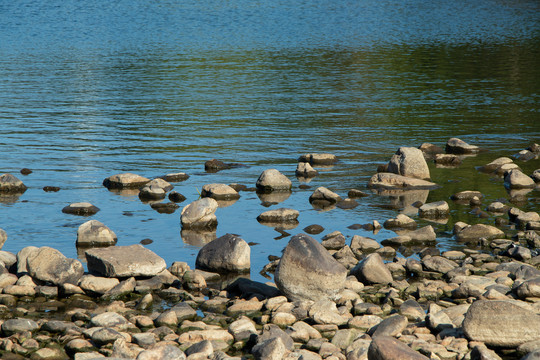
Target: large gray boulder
307,271
95,233
219,192
478,231
228,253
410,162
124,261
516,179
389,348
372,270
200,215
125,181
501,323
387,180
458,146
273,180
11,184
50,265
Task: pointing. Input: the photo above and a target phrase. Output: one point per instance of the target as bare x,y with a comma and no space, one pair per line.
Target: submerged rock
318,159
409,162
307,271
458,146
228,253
496,164
175,177
219,192
447,160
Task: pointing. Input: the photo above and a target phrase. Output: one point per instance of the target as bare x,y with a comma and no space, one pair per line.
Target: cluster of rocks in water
331,300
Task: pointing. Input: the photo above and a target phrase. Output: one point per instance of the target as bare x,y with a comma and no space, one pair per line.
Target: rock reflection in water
274,197
404,199
197,238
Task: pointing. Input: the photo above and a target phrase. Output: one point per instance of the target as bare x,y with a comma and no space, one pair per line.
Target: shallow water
91,89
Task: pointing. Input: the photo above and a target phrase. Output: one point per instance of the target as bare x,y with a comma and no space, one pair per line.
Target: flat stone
307,271
125,181
439,264
279,215
439,209
424,234
228,253
95,233
501,323
124,261
319,158
477,231
14,326
400,221
175,177
81,208
395,181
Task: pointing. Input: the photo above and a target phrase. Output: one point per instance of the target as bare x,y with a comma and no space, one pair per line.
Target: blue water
89,89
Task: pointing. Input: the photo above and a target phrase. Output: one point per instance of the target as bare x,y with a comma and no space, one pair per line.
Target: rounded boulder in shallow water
410,162
438,209
95,233
200,215
307,271
501,323
81,208
388,180
304,169
273,180
228,253
458,146
125,181
322,196
219,192
10,184
516,179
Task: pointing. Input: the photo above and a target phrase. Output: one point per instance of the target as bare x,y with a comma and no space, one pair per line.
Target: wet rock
50,265
355,193
388,348
497,207
95,233
439,209
10,184
155,190
314,229
318,159
536,175
524,155
466,195
14,326
125,181
81,208
458,146
307,271
164,208
372,270
219,192
324,197
305,170
430,149
347,204
175,177
200,215
409,162
176,197
501,323
447,160
272,180
281,215
515,179
228,253
478,231
124,261
496,164
394,181
401,221
51,188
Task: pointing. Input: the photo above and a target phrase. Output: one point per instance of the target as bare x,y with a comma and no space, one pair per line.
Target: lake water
89,89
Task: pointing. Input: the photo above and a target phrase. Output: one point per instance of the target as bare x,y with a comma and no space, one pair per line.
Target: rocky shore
334,299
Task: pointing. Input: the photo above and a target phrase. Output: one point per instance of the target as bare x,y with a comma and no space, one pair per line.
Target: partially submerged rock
125,181
200,215
228,253
307,271
281,215
219,192
272,180
305,170
516,179
323,197
318,159
409,162
124,261
438,209
10,184
478,231
458,146
95,233
81,208
394,181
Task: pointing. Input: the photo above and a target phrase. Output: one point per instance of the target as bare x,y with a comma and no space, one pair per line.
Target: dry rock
95,233
124,261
